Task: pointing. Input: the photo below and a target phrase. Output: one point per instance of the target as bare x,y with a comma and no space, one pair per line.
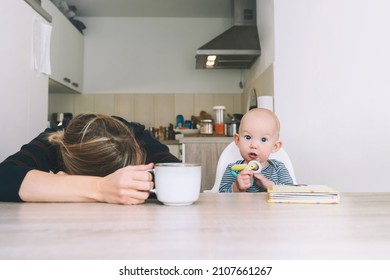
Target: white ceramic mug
177,184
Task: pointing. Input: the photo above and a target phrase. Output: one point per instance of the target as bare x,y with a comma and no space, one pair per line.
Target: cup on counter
177,184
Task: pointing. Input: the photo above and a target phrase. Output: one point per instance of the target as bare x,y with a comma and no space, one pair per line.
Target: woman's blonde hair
96,145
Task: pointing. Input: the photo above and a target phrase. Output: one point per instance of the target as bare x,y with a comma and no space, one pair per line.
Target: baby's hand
243,181
261,180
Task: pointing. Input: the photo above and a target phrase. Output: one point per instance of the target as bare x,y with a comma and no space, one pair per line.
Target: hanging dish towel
41,46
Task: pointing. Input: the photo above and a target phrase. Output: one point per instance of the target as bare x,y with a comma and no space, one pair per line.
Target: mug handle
152,171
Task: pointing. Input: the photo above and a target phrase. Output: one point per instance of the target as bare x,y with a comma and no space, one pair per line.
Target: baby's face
258,137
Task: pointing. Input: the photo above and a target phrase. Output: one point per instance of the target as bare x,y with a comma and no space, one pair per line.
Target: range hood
236,48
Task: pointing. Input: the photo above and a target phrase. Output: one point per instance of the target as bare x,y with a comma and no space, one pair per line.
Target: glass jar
206,127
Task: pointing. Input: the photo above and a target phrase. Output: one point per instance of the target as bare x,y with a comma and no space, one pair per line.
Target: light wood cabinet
66,51
204,151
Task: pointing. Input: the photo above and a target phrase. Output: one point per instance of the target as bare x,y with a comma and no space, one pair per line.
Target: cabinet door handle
67,80
75,84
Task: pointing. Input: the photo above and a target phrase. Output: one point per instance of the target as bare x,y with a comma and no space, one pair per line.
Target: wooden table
218,226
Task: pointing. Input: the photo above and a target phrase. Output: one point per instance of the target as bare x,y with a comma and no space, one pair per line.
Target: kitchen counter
170,142
205,135
205,151
202,149
186,138
201,138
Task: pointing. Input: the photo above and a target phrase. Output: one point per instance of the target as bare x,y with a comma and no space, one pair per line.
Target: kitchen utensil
231,128
238,117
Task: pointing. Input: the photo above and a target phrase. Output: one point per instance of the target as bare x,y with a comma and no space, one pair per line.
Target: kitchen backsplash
152,110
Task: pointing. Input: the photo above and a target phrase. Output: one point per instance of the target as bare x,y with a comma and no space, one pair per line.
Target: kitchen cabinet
204,150
67,50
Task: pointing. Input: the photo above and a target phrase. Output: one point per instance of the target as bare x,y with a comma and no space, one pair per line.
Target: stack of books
303,194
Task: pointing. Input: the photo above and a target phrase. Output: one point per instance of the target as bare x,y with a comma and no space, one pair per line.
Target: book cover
302,194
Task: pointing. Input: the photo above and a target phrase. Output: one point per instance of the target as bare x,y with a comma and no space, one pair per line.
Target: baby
257,138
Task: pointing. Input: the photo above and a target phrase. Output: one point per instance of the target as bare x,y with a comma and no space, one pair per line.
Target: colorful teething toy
252,165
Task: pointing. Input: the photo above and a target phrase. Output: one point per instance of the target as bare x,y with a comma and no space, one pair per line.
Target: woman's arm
128,185
36,155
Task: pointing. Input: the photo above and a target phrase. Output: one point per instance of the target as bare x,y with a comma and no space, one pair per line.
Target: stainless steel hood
236,48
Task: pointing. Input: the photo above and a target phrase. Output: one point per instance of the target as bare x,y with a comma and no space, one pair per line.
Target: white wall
332,90
152,55
24,92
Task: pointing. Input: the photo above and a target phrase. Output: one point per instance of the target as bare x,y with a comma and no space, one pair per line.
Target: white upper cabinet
67,50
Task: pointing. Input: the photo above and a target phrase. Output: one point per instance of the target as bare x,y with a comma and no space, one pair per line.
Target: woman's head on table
96,145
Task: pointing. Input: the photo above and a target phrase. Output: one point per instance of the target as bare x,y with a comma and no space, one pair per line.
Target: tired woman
94,158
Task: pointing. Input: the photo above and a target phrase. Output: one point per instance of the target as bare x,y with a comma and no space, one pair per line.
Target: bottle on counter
219,126
188,124
171,132
179,121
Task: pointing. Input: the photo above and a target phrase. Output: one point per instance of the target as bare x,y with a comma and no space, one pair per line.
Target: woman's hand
128,185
